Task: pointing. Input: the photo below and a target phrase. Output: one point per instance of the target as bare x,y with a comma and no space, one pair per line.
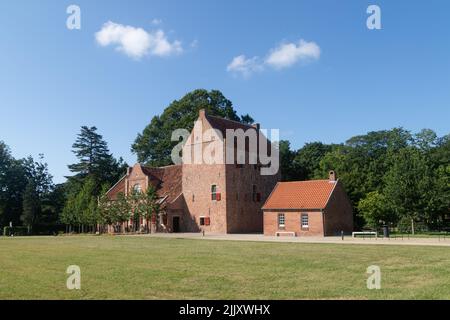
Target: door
176,224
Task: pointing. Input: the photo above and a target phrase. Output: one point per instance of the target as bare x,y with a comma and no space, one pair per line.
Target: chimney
332,175
202,113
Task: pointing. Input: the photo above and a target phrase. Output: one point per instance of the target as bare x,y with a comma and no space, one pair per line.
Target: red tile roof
312,194
119,187
222,124
169,180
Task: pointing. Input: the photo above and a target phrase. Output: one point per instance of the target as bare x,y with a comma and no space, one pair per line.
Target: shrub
404,226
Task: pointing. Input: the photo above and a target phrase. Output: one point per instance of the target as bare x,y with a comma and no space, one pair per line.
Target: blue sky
54,80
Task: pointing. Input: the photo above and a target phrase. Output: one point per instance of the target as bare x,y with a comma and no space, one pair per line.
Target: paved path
286,239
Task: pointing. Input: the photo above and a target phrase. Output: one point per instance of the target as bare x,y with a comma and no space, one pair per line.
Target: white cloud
283,56
288,54
244,66
136,42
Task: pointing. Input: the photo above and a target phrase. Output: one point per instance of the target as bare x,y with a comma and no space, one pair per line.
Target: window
215,195
205,221
213,192
281,220
193,197
137,188
305,222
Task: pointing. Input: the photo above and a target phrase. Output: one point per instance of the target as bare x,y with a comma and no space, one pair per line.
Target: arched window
137,188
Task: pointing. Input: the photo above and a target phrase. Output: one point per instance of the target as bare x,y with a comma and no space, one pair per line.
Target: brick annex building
219,198
308,208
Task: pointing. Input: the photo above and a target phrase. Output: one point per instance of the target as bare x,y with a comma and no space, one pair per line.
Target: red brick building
308,208
218,198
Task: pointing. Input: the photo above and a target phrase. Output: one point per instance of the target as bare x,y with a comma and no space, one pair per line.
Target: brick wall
244,210
293,223
197,182
338,215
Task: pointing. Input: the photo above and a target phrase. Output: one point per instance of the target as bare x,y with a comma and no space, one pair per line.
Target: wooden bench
278,233
363,233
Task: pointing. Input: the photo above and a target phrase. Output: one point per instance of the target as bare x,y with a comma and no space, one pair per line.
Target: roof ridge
163,167
220,118
301,181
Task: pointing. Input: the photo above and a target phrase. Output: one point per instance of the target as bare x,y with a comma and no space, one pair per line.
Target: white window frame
215,192
281,225
304,226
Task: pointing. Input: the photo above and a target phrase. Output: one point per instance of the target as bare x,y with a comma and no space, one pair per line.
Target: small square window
205,221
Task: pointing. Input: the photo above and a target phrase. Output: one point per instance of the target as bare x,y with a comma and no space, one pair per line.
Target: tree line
392,176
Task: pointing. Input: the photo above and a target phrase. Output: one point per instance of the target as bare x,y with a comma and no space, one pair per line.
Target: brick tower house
195,196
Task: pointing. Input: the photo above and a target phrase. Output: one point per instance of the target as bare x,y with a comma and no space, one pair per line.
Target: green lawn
155,268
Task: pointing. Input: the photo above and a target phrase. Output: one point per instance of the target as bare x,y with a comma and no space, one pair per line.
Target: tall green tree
31,206
70,215
13,180
15,176
52,205
96,166
81,208
94,158
153,146
38,172
307,159
149,206
408,186
121,209
104,207
86,205
288,168
373,207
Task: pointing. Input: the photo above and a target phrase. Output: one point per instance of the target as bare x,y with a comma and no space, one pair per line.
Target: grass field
156,268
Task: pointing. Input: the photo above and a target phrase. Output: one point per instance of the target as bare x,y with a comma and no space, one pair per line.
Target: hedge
16,231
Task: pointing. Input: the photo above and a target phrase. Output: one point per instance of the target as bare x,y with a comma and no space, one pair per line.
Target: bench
278,233
364,233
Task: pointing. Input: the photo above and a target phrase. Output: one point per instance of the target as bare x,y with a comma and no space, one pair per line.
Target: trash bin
386,231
